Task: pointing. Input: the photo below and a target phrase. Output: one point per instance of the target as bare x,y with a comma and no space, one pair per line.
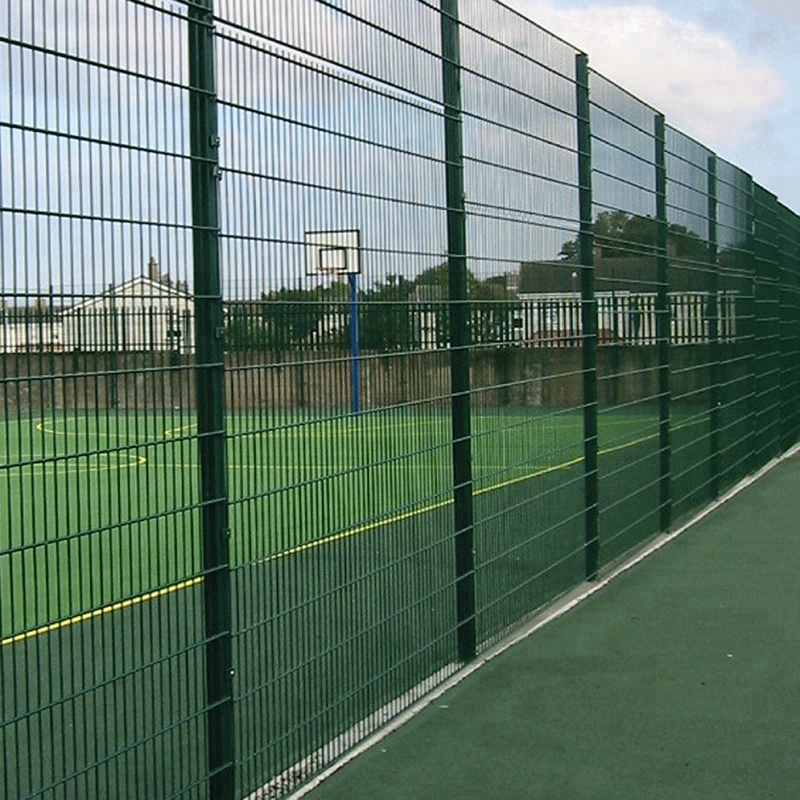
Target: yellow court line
433,507
371,526
310,545
606,450
171,433
42,428
43,472
99,612
535,474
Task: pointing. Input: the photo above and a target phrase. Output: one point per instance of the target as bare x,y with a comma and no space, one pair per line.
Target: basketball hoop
333,253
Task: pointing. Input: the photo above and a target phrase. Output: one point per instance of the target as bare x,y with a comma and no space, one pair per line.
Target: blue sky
723,71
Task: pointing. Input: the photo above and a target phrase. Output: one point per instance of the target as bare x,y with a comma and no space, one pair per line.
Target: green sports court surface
98,509
330,516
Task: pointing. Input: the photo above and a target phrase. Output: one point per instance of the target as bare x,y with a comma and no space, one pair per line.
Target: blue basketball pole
355,368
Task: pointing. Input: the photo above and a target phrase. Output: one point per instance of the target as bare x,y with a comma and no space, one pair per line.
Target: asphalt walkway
679,680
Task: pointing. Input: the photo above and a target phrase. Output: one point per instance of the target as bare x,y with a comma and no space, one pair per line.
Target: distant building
141,315
626,292
428,322
145,314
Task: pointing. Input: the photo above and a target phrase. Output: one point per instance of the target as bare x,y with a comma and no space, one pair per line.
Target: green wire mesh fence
336,340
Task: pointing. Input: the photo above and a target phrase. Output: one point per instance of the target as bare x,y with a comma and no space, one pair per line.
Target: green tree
622,235
385,315
245,332
291,316
439,275
392,311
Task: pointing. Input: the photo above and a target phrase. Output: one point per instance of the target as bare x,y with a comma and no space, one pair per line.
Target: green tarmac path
679,680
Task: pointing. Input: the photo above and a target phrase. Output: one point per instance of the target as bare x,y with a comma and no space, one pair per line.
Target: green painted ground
98,508
342,574
676,681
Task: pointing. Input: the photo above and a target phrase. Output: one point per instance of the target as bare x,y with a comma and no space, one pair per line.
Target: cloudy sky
723,71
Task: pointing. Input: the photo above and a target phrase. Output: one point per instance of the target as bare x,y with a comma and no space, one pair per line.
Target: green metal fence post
459,334
664,327
785,365
204,145
791,320
588,316
752,327
713,324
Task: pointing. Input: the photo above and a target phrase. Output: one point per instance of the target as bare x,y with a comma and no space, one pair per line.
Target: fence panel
694,320
735,368
336,339
333,215
101,604
789,278
767,325
626,266
521,168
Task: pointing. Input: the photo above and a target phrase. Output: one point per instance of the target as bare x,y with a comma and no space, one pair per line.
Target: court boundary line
44,469
550,613
103,610
366,528
169,436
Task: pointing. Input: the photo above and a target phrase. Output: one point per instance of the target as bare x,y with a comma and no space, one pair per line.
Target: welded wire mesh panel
370,40
521,189
789,278
299,337
101,659
697,310
735,285
335,284
626,280
767,332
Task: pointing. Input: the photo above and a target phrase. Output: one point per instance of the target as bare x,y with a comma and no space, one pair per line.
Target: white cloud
698,78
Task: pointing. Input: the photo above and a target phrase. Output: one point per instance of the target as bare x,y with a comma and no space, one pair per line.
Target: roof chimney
152,269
